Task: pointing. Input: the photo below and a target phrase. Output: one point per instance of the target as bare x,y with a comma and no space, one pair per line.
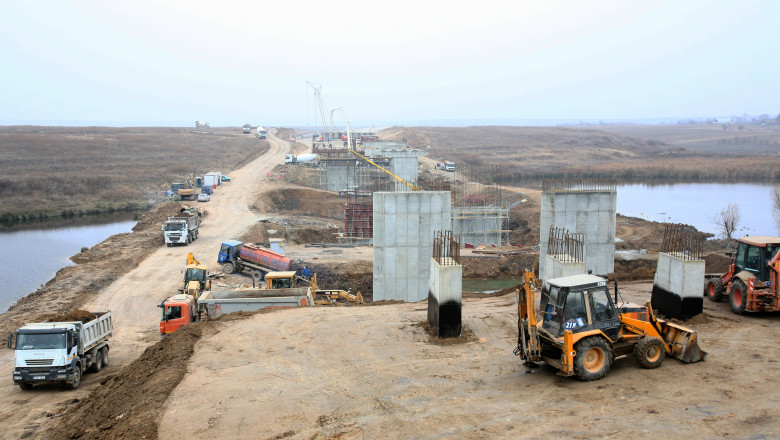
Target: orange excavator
580,330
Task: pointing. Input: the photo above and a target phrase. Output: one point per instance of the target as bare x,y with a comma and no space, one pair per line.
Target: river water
33,253
696,203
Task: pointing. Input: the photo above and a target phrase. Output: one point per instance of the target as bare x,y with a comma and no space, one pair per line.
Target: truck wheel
738,297
76,378
228,267
105,355
189,239
649,352
25,386
593,358
169,244
98,364
715,290
258,275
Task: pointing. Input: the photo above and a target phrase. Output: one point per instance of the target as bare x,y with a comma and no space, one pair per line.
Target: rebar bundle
579,185
446,249
682,241
566,246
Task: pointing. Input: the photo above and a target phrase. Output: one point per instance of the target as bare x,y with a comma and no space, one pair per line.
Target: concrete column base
677,285
445,298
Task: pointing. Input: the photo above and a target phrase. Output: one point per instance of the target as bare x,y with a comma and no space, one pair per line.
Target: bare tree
775,195
727,220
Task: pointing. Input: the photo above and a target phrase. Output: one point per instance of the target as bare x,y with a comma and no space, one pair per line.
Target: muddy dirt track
133,298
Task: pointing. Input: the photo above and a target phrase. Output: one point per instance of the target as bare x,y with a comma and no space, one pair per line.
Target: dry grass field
50,171
639,153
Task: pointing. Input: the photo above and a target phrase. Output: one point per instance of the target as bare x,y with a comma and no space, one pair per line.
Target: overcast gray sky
172,62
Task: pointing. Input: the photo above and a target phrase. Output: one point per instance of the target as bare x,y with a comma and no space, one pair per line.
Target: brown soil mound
153,219
500,267
259,234
130,404
717,263
356,276
72,316
302,202
638,269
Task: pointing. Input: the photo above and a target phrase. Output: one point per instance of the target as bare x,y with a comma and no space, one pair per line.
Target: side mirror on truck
10,340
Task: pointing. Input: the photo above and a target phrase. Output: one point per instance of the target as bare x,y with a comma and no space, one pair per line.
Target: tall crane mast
318,98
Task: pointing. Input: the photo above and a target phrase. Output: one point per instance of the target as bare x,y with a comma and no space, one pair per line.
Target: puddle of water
491,285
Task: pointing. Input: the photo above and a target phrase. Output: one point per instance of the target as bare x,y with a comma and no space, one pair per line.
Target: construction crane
321,105
349,143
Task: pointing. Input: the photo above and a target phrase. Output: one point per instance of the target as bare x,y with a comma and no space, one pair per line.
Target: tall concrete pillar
404,224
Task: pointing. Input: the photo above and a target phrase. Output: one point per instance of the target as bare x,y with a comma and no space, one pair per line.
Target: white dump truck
183,228
47,352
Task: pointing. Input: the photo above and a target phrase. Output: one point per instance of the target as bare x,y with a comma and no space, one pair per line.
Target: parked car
206,189
225,178
202,197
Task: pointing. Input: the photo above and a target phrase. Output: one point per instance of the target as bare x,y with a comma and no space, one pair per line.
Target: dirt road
133,298
371,372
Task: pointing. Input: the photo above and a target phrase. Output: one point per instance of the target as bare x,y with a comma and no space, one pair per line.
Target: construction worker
306,272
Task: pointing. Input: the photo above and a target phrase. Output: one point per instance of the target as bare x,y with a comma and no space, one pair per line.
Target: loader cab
229,251
578,303
280,280
195,280
753,255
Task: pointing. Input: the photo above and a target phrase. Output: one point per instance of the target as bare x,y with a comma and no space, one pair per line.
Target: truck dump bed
218,303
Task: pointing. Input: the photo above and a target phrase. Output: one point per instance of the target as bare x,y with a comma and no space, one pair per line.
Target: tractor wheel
228,267
738,297
715,290
649,352
593,358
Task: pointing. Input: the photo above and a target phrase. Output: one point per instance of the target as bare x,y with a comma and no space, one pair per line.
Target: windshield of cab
193,274
551,310
174,226
40,341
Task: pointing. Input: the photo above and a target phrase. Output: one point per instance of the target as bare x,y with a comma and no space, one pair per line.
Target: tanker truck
237,256
49,352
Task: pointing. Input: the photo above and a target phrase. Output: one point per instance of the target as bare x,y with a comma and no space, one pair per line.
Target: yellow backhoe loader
195,277
580,330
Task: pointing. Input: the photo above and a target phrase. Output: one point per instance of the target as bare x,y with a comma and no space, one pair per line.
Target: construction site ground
369,371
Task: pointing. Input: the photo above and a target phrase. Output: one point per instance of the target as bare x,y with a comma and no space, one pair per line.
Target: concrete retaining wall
445,296
677,291
404,224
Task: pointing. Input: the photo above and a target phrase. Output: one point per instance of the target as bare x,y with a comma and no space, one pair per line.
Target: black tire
593,358
25,386
105,355
258,275
98,364
189,239
738,297
228,267
169,244
76,378
715,290
649,352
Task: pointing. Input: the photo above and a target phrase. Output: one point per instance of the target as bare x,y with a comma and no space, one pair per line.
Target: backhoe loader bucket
682,342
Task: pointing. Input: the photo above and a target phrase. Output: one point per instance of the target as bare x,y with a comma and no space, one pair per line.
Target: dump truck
214,304
246,129
581,331
183,309
752,278
237,256
183,228
448,166
48,352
